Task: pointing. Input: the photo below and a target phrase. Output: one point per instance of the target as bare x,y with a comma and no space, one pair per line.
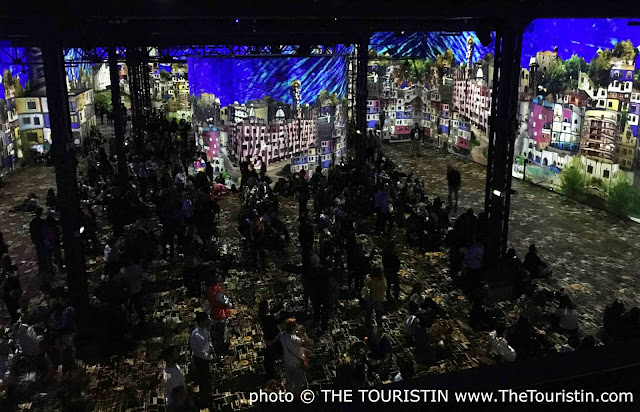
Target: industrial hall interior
251,206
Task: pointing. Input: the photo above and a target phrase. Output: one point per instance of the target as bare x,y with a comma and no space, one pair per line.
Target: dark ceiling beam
97,32
316,8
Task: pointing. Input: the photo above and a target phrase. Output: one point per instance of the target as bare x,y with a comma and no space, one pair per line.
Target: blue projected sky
576,36
242,79
427,45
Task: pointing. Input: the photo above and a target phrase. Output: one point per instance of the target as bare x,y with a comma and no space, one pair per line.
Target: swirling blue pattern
576,36
428,45
242,79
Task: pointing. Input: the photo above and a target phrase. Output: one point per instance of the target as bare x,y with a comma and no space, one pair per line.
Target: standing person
220,305
370,147
271,334
192,251
263,168
244,171
391,265
134,275
35,231
200,344
321,272
173,375
356,264
52,249
415,137
11,288
52,199
208,169
3,246
377,289
454,181
295,347
383,202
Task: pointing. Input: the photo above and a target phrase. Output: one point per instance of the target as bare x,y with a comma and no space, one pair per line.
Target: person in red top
220,305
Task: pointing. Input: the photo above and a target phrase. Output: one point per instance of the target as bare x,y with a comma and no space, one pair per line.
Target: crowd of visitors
167,212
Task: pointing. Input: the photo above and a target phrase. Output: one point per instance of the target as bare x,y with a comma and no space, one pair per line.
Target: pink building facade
473,101
211,139
540,121
273,141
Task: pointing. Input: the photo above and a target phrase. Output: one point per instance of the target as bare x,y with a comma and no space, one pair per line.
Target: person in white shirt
200,344
294,355
173,375
500,345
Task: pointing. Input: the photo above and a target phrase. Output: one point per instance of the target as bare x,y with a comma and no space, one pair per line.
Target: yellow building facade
626,148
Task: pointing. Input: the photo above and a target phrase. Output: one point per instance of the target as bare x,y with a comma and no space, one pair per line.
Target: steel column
502,138
361,100
118,116
64,158
136,65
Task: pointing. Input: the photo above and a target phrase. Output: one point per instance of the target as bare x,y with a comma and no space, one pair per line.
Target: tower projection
296,96
470,45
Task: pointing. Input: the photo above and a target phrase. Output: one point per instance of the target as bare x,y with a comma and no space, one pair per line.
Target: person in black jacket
271,334
536,267
244,171
11,288
208,170
3,246
263,168
454,181
35,231
391,265
52,199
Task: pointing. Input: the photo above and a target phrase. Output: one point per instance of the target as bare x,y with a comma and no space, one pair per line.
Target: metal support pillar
64,158
361,100
140,95
502,135
118,117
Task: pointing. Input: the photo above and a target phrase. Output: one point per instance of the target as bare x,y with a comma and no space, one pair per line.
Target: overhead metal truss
13,55
180,53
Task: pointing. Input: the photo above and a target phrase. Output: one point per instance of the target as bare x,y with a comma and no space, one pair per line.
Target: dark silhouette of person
453,180
35,231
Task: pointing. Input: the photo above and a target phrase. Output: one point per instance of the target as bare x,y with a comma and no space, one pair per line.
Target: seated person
571,345
181,401
613,318
424,303
500,345
569,318
411,323
380,351
536,267
522,336
407,370
631,323
512,265
587,343
379,345
426,350
480,318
